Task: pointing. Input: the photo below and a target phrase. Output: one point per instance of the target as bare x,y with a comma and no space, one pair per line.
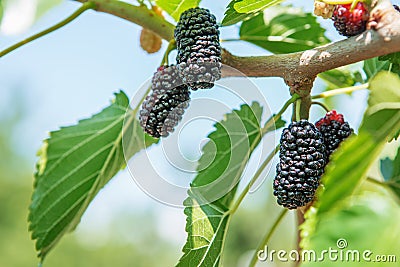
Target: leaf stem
298,106
171,46
83,8
321,105
340,91
271,121
267,237
139,105
377,182
230,40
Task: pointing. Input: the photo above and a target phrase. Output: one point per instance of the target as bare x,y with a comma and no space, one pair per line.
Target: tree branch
300,69
383,37
297,69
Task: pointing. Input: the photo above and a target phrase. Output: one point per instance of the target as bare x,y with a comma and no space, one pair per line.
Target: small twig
267,237
341,91
298,105
171,46
377,182
83,8
321,105
271,121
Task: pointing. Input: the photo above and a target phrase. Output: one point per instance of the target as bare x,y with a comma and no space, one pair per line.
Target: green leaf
74,164
229,149
340,78
374,65
176,7
1,11
251,6
238,11
283,29
232,16
369,222
392,58
45,5
352,160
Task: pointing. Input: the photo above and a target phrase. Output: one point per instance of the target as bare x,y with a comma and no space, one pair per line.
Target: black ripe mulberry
334,130
302,160
199,50
164,107
350,22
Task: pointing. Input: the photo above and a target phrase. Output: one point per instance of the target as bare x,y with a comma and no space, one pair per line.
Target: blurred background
72,74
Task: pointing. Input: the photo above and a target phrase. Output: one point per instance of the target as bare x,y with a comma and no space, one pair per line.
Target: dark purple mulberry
199,50
302,160
164,107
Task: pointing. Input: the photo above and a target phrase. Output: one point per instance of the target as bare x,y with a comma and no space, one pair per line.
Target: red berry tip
330,116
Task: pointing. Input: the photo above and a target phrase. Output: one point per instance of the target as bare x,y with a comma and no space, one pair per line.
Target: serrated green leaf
369,222
251,6
354,157
283,29
230,147
74,164
176,7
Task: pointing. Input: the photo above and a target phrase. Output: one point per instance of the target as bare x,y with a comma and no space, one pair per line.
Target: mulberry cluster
163,108
302,158
334,130
199,50
350,22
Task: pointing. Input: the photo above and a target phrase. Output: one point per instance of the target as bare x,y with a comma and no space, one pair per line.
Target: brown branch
382,38
297,69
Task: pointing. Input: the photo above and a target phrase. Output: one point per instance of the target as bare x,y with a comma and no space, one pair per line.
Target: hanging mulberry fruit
164,107
199,50
334,130
302,160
